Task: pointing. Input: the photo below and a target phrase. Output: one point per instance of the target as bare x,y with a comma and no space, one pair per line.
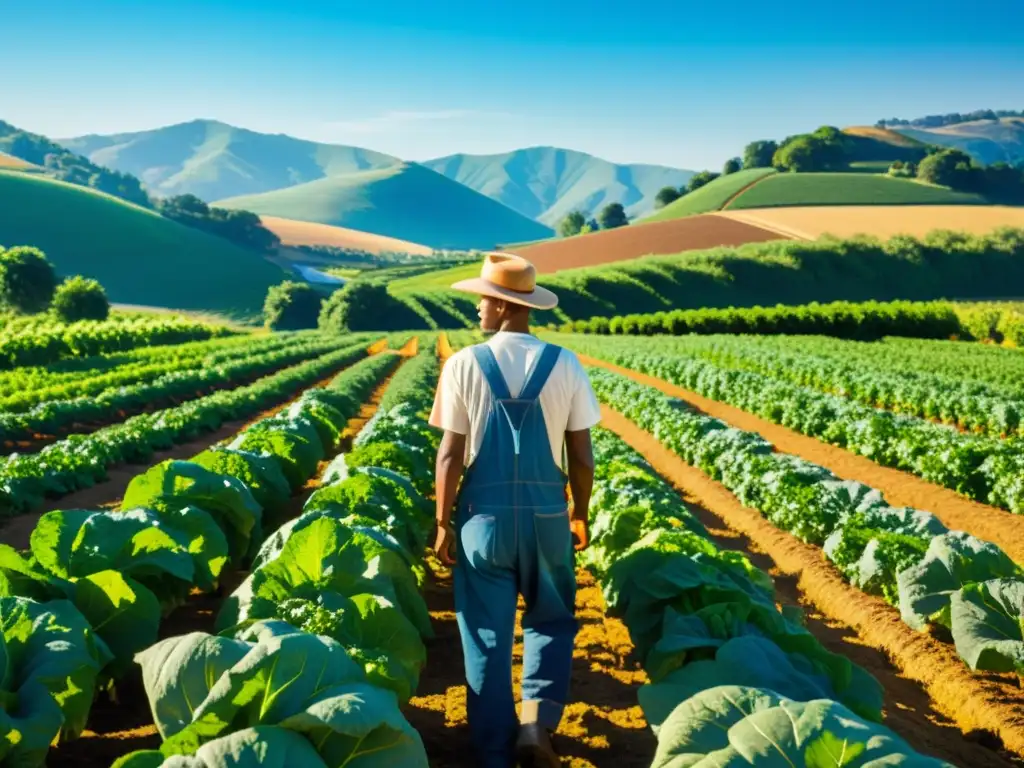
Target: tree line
952,118
29,285
575,222
241,227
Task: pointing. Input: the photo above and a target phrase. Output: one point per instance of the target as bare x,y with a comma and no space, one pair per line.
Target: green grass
140,257
710,197
792,189
438,280
408,201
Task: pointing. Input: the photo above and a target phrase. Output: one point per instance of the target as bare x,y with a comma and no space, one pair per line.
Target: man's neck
515,325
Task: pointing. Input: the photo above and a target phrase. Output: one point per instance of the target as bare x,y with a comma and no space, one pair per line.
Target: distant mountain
546,183
213,160
407,201
987,141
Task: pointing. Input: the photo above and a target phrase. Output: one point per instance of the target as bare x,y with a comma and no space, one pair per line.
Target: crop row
983,468
94,586
934,576
844,319
319,648
47,343
185,382
733,680
23,388
80,461
967,403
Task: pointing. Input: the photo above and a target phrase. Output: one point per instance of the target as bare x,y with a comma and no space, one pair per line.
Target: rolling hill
546,183
814,189
987,141
139,256
213,160
712,196
408,202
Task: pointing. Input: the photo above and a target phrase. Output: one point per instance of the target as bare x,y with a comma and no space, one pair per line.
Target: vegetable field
215,552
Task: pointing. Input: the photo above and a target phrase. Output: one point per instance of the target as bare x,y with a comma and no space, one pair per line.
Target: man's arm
580,455
447,472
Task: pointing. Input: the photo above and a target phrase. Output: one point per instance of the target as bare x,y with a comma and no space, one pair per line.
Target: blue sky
677,83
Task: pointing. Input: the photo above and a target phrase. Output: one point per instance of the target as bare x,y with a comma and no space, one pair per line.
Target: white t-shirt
463,397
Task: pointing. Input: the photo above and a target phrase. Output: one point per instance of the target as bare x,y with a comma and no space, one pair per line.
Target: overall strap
489,365
541,372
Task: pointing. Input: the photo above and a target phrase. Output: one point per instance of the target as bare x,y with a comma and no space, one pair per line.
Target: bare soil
603,724
901,489
931,698
658,237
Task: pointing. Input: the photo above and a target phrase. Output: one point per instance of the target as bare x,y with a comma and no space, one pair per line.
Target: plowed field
630,242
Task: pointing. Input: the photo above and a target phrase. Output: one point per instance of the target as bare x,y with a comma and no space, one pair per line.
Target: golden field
293,232
809,223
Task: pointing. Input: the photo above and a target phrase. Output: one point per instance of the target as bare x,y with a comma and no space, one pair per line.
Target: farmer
514,411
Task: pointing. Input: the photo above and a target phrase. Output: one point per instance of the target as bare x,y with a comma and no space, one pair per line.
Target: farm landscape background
219,346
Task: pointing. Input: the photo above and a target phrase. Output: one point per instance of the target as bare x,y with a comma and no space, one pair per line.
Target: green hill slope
787,189
213,160
712,196
987,141
138,256
546,183
409,202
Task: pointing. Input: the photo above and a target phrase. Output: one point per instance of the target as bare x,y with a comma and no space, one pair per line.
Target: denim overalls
512,528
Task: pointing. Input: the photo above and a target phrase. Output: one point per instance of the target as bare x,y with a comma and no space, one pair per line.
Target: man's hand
444,545
580,528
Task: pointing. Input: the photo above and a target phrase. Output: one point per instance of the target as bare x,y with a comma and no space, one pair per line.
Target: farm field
811,222
287,516
712,196
806,189
9,162
138,256
662,237
293,232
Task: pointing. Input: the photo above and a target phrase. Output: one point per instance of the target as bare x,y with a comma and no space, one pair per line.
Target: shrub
27,279
292,306
80,298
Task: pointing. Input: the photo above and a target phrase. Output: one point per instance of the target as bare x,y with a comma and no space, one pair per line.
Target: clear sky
663,81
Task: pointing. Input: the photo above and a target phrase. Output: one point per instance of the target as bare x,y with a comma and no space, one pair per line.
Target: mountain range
218,162
988,141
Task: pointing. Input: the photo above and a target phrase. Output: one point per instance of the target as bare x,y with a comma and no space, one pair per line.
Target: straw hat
511,278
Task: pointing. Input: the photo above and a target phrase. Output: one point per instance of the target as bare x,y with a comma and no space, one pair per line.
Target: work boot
533,748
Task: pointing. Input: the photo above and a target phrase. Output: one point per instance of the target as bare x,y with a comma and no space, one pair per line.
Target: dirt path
930,695
116,728
900,489
603,724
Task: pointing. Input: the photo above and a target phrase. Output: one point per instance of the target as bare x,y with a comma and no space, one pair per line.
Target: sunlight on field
882,221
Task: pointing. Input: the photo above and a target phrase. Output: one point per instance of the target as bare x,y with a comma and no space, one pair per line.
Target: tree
698,180
366,305
80,298
572,224
292,306
665,196
613,216
759,154
948,168
27,279
732,165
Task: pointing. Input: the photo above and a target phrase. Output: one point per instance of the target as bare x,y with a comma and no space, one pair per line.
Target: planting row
48,341
934,576
82,460
983,468
179,381
839,368
733,680
321,645
23,388
93,587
